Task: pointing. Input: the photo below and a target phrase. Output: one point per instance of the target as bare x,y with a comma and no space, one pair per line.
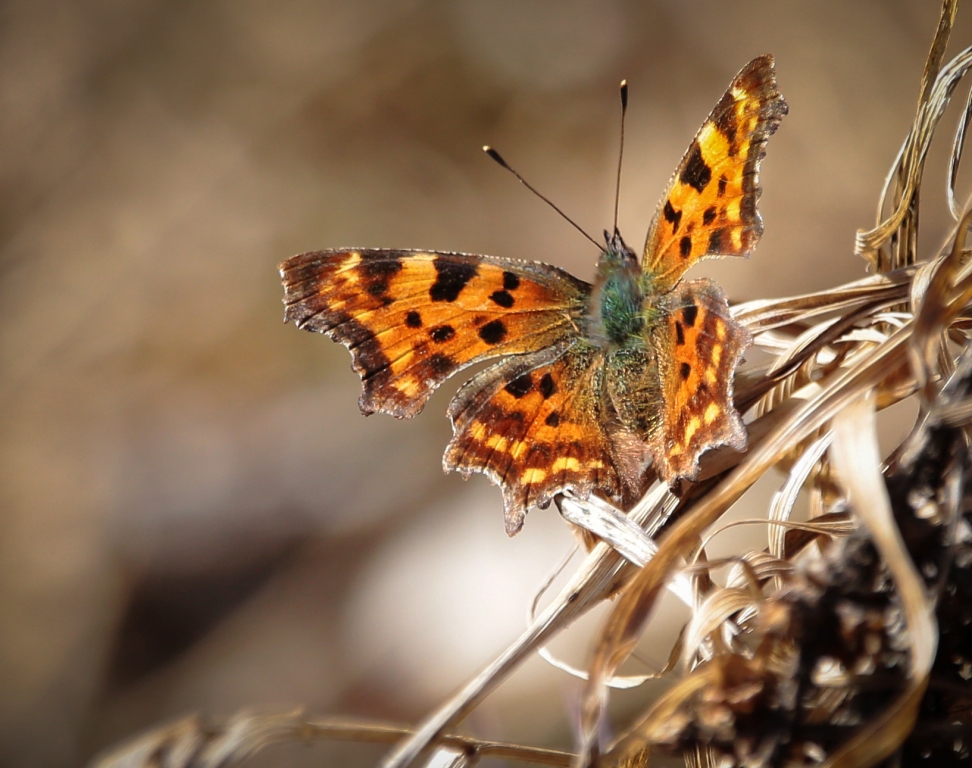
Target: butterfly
590,384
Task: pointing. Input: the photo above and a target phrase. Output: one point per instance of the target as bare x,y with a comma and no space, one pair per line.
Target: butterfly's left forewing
411,319
710,206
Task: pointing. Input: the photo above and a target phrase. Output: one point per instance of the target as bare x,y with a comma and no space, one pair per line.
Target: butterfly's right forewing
411,319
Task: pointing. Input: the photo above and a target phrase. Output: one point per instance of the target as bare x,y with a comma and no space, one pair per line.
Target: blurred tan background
193,515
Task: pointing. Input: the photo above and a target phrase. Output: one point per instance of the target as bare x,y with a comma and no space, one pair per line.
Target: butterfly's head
616,254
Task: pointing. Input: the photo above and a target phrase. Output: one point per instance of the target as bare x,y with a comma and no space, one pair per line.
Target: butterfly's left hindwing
699,346
411,319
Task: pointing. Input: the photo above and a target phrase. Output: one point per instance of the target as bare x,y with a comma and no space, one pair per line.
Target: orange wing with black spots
411,319
700,345
534,426
710,206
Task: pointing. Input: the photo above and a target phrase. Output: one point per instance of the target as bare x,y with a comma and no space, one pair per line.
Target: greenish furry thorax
618,304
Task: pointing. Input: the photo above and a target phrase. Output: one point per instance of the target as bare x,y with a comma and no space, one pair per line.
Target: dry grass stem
194,742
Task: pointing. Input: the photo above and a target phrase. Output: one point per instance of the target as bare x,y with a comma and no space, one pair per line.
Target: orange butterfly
593,381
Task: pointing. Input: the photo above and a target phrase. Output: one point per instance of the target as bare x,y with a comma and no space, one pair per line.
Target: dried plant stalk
196,743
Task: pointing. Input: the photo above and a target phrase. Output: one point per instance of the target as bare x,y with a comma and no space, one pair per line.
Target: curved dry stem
193,742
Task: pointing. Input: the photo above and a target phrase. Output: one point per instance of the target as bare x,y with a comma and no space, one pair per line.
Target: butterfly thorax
617,311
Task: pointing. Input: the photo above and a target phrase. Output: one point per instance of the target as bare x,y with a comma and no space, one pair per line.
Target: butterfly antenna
617,187
494,155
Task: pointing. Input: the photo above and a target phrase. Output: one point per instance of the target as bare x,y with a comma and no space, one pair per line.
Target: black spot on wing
451,278
722,185
413,319
679,333
685,246
541,455
709,216
442,333
493,332
377,288
685,370
439,365
547,386
672,216
502,298
510,281
726,122
381,268
689,314
520,386
553,419
717,241
377,272
696,173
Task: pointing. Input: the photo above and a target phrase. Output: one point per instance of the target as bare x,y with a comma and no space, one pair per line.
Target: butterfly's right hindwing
534,425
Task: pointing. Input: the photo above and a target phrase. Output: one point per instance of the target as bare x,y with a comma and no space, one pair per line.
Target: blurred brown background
193,515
